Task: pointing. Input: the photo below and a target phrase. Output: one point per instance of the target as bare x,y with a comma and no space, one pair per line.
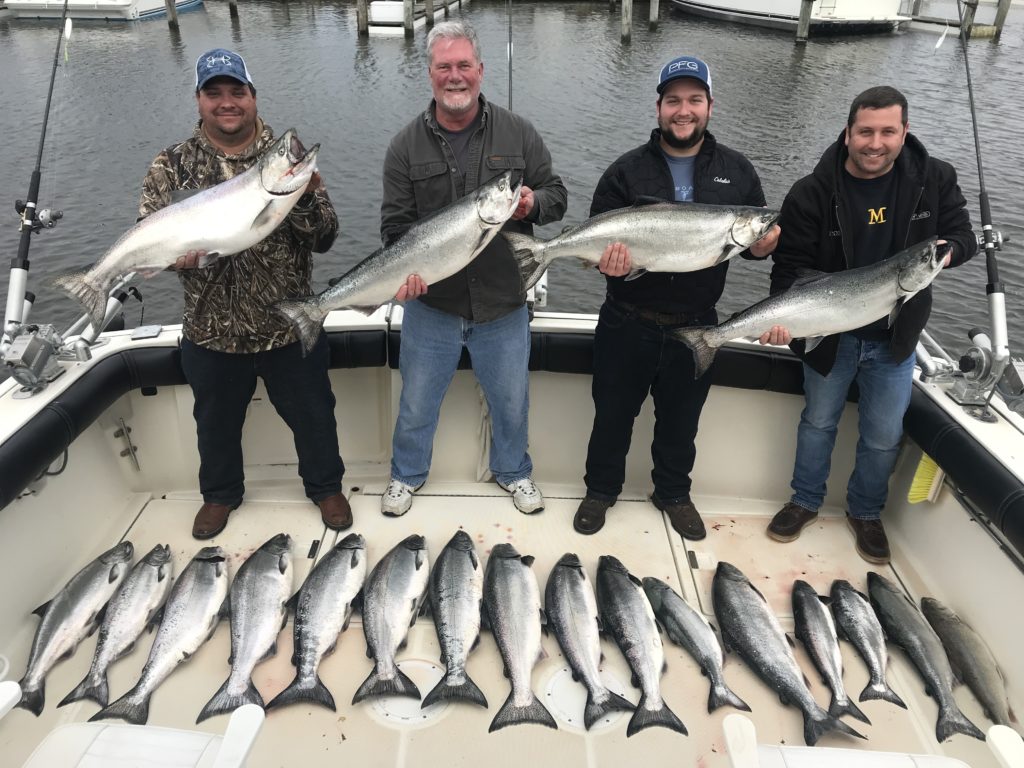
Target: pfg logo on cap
677,66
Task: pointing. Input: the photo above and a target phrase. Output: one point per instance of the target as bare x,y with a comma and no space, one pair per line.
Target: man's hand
778,336
949,256
314,183
189,261
766,245
615,261
526,202
413,288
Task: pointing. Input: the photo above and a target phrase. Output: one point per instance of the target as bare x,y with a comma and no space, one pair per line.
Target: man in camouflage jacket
230,336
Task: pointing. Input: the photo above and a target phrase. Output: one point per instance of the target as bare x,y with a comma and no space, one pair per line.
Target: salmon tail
815,728
510,714
32,699
703,353
881,691
311,690
952,720
648,718
375,685
611,702
306,317
723,696
223,701
528,253
93,687
846,707
447,690
87,292
129,707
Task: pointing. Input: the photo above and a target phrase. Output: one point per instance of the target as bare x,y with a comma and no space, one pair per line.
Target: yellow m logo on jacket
876,215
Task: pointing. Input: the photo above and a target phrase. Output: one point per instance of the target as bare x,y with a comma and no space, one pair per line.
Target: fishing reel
44,217
980,374
31,358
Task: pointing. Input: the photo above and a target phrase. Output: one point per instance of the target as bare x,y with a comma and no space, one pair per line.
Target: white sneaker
525,495
397,498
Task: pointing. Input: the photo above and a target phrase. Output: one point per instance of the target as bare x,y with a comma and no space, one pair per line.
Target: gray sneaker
397,498
525,495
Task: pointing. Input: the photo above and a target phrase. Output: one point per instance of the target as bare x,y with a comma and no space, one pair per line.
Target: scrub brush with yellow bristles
927,482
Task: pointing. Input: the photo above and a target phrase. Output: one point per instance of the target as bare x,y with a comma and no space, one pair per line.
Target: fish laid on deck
857,623
512,603
136,605
629,618
571,608
750,628
434,248
971,660
191,615
824,304
223,220
392,597
322,610
662,237
816,629
456,591
689,629
258,599
70,617
905,626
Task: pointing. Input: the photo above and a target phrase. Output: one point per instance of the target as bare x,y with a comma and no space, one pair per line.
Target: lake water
126,91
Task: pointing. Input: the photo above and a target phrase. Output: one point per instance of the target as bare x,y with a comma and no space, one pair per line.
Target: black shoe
684,517
872,543
789,521
589,518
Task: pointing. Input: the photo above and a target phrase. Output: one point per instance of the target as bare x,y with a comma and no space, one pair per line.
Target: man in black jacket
874,192
634,350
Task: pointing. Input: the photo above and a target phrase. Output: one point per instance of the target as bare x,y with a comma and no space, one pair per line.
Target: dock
401,17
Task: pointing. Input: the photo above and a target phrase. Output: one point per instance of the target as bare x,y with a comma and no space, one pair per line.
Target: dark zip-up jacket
817,234
421,176
721,176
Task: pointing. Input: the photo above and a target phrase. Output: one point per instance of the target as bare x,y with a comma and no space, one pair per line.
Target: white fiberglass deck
398,734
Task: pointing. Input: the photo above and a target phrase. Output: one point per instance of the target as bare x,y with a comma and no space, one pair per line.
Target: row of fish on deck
463,596
664,237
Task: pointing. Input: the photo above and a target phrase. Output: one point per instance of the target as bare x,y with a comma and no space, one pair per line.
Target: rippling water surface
126,91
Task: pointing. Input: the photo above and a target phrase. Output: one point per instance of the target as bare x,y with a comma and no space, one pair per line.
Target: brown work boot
589,518
211,519
684,517
789,521
336,512
872,543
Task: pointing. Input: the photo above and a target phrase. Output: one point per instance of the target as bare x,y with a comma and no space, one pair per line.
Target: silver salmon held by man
434,248
70,617
223,220
750,628
824,304
662,237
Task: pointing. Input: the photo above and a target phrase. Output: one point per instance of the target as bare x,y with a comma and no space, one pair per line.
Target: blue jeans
432,343
885,386
300,391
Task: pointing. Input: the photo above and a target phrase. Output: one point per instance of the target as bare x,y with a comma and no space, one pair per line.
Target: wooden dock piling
803,26
652,21
233,8
172,14
363,18
428,7
409,17
627,20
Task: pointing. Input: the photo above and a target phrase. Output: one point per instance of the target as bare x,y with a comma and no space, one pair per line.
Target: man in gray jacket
460,142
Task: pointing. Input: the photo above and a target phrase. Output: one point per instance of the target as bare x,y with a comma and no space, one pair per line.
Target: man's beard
458,103
695,138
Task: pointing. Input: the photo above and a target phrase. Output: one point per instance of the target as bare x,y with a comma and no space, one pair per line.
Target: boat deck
398,733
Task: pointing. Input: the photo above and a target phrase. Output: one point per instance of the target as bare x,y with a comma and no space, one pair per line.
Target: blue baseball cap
221,62
685,66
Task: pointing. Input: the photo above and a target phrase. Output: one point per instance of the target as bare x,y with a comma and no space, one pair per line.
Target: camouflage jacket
227,303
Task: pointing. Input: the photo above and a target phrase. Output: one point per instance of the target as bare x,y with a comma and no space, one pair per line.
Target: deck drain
401,710
566,699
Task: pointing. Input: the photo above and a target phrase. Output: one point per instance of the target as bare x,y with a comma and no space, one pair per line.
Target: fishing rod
508,13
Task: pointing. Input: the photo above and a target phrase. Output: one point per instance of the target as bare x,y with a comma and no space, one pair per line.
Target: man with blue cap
635,352
229,336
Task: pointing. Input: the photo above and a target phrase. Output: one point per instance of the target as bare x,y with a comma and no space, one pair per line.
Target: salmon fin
528,252
92,687
838,709
264,217
374,685
446,690
41,610
895,311
306,317
223,701
726,254
311,691
510,714
87,292
703,353
814,729
811,342
723,696
952,720
32,699
634,274
881,691
129,708
594,711
648,718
